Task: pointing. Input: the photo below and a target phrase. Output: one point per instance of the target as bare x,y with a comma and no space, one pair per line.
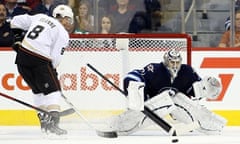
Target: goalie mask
173,61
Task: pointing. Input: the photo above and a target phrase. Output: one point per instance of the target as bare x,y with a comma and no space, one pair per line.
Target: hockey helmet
63,11
173,61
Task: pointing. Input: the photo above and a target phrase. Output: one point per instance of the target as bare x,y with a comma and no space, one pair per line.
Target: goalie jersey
157,78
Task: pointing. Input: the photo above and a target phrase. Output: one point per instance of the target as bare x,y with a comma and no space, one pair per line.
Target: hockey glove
18,34
18,37
16,46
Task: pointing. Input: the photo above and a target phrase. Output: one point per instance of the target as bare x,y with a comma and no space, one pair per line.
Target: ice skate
49,123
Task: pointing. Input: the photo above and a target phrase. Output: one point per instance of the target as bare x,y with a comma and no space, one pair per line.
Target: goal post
113,55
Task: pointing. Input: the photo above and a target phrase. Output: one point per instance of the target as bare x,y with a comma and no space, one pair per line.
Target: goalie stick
107,134
162,123
62,113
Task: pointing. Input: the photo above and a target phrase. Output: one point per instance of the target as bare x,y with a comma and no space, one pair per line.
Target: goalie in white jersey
39,53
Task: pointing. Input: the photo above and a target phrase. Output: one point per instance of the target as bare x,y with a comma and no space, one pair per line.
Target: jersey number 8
35,32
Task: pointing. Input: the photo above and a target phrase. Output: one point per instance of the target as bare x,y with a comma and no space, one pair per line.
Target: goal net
112,55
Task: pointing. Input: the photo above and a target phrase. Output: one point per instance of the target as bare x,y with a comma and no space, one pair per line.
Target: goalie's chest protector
158,79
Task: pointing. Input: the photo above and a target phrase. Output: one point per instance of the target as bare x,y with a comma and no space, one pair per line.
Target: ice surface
77,135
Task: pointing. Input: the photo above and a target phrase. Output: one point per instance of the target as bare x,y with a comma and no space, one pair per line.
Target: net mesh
134,43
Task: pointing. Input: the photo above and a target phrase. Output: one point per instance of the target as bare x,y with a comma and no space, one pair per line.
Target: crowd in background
91,16
114,16
225,40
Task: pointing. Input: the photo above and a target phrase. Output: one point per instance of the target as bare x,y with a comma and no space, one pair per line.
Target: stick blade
107,134
67,112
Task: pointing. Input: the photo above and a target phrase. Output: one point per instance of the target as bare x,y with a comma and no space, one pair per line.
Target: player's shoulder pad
152,67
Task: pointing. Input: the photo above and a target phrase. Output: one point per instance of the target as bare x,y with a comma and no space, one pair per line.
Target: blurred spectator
225,40
152,6
227,24
148,20
153,10
66,2
122,15
84,18
6,35
139,23
106,24
28,4
43,7
109,6
14,9
228,21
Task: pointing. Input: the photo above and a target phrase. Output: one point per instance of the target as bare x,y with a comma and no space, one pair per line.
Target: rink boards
91,94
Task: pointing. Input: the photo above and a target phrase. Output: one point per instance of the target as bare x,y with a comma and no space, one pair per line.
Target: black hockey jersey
157,78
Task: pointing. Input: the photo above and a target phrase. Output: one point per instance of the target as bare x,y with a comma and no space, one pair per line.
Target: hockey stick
67,112
63,113
162,123
107,134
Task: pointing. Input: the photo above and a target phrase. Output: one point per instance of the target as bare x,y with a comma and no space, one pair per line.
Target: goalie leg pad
129,122
161,104
211,123
182,112
188,111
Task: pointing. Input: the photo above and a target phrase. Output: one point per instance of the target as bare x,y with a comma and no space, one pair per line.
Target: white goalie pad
136,95
132,120
209,87
162,103
188,111
129,122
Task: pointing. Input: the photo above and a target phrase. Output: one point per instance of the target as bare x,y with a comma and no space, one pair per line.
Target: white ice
77,135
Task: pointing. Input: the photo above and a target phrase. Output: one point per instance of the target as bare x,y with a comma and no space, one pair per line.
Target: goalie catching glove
209,87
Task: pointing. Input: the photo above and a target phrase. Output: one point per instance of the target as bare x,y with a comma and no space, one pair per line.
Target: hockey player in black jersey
169,74
169,88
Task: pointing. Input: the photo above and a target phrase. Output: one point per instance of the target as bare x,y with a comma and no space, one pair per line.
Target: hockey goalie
173,91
